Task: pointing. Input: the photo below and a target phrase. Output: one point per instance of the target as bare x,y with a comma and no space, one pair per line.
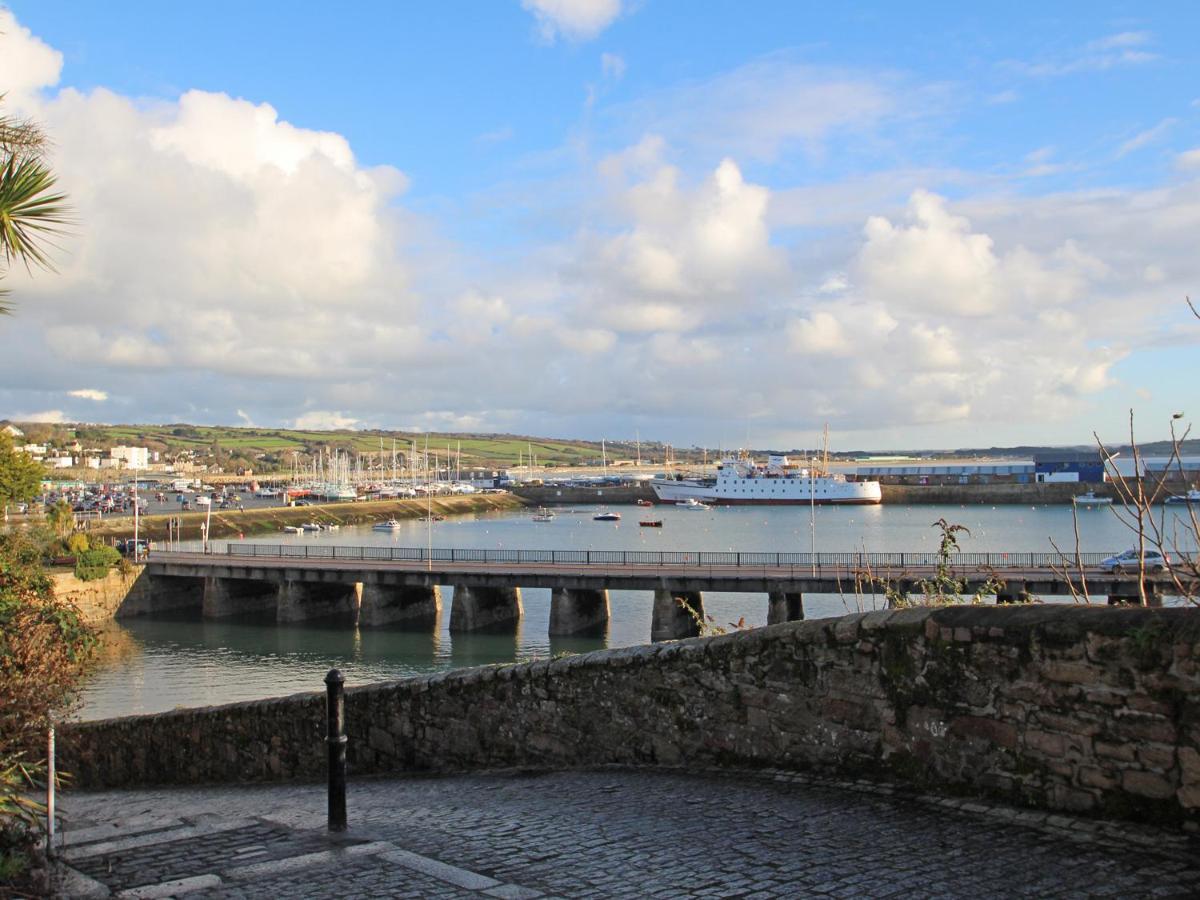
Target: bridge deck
634,570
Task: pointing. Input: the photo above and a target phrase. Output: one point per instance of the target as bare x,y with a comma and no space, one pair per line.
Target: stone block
1189,797
1189,765
1125,753
381,741
1147,784
1096,778
1002,734
1156,756
1045,742
1069,672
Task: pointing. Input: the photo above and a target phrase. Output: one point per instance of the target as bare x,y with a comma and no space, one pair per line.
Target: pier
401,587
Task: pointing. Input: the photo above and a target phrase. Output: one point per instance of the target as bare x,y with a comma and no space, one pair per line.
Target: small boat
389,525
543,515
1192,496
693,504
292,529
645,503
312,526
607,517
1090,499
650,523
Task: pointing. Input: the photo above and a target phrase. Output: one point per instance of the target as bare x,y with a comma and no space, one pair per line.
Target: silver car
1128,562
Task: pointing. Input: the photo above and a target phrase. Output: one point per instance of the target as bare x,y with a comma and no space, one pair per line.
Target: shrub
95,563
77,543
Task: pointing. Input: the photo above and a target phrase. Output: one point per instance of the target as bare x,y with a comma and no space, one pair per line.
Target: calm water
158,664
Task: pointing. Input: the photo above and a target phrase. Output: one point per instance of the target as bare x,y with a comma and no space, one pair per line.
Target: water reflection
157,664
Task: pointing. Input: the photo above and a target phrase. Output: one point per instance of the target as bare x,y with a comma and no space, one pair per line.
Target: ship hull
823,494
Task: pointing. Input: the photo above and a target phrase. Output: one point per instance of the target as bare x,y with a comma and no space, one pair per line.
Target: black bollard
336,739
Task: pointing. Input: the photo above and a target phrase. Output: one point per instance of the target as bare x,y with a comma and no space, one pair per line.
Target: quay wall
912,494
1092,710
99,600
896,494
549,495
227,523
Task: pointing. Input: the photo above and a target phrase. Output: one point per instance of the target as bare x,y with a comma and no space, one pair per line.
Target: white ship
741,480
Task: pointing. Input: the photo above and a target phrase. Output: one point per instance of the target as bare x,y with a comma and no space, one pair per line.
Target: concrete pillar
1012,592
413,607
784,606
151,594
671,621
304,601
485,608
578,611
228,597
1126,592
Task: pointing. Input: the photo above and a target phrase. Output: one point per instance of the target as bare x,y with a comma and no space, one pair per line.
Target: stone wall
1081,709
100,599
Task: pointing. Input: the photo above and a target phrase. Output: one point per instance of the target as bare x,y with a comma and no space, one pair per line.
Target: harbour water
162,663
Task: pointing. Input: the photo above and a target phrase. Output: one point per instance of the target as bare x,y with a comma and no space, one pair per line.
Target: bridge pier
784,606
485,608
225,598
1126,592
578,611
670,620
1012,592
302,601
413,607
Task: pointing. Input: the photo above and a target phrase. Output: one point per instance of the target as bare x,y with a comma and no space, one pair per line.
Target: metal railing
663,558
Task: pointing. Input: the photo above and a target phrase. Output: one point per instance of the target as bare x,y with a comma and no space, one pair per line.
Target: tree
31,212
44,649
20,474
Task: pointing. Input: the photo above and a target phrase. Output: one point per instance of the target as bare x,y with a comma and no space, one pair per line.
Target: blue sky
926,225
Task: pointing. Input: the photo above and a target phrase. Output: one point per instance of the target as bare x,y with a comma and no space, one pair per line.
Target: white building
132,457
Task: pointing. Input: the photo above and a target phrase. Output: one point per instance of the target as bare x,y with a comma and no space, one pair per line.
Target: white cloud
48,416
1119,40
575,20
612,65
685,247
245,417
89,394
1149,136
773,105
319,420
27,64
937,262
1189,159
1116,50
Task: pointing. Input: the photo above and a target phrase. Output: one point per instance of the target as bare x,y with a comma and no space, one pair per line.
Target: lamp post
135,513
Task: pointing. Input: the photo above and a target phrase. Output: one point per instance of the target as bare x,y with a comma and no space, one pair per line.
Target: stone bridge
401,587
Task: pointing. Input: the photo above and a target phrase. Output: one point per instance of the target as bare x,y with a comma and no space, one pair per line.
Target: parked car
1128,561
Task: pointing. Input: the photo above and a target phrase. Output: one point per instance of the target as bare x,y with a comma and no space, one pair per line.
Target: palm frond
30,212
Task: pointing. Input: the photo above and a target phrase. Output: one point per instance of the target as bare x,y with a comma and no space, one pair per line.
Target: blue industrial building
1082,466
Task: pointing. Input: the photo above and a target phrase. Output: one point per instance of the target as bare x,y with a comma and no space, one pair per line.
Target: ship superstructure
780,481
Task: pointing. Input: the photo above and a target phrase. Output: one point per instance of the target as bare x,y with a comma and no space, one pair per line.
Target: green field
267,448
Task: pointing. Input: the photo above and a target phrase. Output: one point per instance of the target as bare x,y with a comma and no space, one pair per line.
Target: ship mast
825,452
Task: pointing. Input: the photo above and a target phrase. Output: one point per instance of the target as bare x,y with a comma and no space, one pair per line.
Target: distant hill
267,449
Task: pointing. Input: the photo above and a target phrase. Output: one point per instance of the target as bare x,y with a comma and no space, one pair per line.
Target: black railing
662,558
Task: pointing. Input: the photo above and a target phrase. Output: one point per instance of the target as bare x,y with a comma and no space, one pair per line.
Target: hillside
264,449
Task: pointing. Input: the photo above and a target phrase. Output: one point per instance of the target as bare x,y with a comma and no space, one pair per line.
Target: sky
926,225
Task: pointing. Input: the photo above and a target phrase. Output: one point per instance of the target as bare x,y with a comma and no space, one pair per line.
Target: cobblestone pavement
606,833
